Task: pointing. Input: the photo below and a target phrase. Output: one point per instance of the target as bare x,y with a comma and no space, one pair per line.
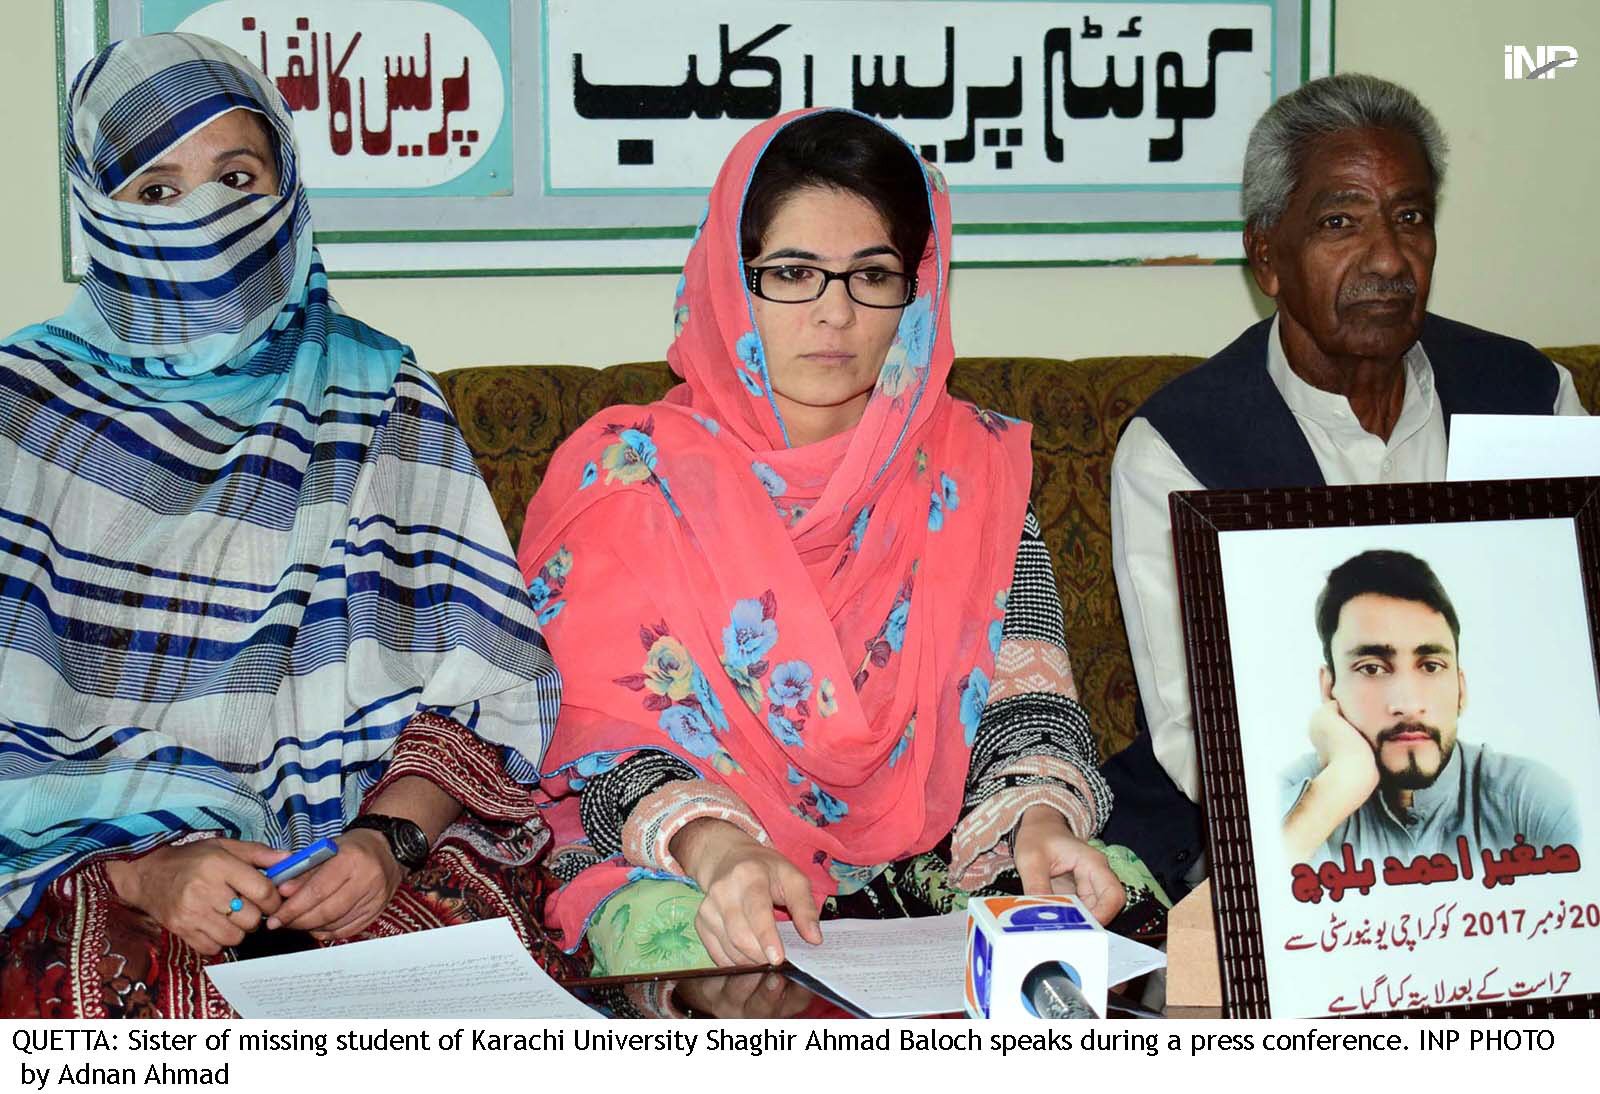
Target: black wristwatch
407,842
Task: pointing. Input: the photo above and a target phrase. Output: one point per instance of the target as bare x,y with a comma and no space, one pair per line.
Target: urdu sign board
563,136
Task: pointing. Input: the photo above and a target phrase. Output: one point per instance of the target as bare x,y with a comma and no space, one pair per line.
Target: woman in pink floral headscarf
807,666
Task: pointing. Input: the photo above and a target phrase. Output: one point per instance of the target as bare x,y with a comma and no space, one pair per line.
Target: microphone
1035,957
1051,991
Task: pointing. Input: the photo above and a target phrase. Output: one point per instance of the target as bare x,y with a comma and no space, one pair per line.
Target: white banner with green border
496,137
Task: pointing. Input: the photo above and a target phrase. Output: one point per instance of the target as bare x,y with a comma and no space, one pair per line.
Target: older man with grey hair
1351,381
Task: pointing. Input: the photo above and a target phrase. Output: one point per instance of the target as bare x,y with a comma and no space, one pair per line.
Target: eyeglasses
870,287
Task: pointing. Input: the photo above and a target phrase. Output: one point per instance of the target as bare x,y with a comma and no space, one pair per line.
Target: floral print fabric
807,627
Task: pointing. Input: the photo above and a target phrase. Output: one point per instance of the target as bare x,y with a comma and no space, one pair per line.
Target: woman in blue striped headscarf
253,591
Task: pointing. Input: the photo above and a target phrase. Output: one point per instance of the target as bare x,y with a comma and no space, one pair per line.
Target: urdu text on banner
580,136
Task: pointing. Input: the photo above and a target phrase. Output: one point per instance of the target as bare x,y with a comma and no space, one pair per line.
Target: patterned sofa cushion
514,416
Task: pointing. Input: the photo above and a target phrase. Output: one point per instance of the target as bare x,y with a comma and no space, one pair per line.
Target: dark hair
837,150
1383,573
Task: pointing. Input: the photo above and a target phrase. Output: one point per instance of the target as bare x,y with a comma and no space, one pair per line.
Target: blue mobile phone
302,860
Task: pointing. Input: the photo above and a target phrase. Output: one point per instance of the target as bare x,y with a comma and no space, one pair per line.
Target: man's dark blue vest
1230,426
1228,423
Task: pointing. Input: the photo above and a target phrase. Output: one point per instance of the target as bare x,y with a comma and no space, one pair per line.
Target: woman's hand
339,898
743,881
189,889
1050,859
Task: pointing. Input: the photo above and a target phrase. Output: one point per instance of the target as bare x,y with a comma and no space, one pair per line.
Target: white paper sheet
1522,446
1129,959
891,968
476,970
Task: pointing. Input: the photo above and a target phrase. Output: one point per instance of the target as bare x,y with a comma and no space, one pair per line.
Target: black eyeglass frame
753,282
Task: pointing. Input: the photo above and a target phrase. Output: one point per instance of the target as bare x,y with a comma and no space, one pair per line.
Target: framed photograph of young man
1396,698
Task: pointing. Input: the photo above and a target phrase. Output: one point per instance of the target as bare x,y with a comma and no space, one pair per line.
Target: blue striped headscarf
184,289
242,542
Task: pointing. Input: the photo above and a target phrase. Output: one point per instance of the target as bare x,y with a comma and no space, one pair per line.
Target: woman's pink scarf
813,628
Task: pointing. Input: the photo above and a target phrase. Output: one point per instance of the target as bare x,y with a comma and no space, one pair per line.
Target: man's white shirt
1145,470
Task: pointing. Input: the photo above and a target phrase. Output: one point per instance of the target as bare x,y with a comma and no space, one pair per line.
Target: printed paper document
475,970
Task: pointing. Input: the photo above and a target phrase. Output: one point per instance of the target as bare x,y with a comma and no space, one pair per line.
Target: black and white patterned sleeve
1034,745
607,801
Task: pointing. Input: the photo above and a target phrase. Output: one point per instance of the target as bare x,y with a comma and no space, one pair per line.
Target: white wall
1519,250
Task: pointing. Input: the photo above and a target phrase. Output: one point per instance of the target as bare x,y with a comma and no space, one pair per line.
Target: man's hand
743,881
341,897
1340,745
1050,859
189,889
1348,777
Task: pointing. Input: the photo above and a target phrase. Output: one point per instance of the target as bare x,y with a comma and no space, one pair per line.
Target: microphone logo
980,973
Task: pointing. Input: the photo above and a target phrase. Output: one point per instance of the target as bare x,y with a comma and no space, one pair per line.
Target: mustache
1389,734
1378,289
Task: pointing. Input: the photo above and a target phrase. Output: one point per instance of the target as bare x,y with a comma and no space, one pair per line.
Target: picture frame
1254,569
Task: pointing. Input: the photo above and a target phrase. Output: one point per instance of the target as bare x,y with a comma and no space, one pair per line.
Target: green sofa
514,416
